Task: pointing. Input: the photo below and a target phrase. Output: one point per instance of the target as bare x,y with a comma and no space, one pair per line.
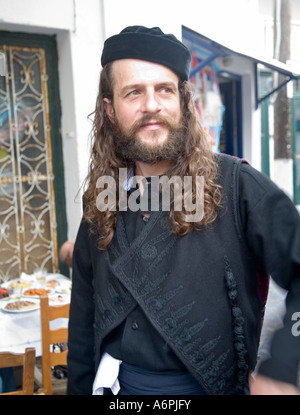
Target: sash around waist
137,381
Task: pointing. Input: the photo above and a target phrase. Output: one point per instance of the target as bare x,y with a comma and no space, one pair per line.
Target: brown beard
130,148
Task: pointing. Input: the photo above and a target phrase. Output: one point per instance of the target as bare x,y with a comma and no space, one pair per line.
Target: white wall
37,13
228,22
79,66
78,25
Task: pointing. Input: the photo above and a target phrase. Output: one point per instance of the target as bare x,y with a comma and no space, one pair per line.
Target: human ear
109,109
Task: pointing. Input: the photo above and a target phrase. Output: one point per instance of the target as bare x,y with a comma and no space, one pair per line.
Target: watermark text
184,199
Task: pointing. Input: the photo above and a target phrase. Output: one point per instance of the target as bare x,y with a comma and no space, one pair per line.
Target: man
168,299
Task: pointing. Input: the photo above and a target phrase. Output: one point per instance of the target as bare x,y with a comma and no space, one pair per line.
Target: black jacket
204,293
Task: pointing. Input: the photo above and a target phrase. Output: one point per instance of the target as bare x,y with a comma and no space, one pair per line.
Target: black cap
139,42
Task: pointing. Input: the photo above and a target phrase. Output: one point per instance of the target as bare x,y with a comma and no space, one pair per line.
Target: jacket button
134,325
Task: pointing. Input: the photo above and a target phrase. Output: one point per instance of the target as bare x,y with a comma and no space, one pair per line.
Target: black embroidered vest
199,291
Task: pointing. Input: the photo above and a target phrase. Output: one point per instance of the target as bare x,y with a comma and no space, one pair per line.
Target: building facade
52,64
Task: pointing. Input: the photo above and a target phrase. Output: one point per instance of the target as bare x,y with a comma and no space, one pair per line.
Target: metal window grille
28,238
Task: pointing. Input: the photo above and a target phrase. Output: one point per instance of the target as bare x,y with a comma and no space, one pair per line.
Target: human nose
151,103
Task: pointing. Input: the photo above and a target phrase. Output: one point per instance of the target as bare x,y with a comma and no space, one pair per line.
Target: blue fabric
7,380
137,381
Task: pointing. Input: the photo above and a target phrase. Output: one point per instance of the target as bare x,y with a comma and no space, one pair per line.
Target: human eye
167,89
131,91
134,93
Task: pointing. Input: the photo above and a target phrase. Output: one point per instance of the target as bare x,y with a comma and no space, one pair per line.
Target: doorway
231,133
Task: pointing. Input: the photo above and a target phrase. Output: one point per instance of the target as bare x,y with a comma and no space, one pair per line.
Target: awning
216,50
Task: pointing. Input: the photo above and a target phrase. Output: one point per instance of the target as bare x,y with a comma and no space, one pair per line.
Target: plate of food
52,283
21,306
4,293
64,288
37,292
18,284
59,299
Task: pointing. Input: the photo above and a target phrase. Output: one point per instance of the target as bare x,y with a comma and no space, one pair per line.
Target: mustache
158,119
129,148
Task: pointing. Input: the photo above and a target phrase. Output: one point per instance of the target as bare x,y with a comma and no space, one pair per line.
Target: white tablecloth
21,330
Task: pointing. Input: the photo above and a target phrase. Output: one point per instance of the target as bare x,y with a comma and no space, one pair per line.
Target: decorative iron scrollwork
28,237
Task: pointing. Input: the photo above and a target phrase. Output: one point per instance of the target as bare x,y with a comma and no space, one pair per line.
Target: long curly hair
197,159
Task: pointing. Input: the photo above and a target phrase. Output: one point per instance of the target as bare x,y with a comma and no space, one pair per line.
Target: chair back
50,337
27,361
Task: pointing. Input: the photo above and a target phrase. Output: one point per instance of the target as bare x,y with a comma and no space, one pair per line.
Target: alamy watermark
159,197
296,326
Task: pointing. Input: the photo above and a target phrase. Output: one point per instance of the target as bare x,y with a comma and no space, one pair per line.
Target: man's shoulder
227,165
229,159
240,166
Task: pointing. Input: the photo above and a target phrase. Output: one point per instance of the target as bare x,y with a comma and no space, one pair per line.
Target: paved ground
275,309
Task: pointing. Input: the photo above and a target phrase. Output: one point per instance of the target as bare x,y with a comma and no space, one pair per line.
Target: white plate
35,306
16,284
64,287
49,291
53,280
59,299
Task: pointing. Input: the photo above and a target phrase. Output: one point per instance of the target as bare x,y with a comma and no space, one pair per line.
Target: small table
23,329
